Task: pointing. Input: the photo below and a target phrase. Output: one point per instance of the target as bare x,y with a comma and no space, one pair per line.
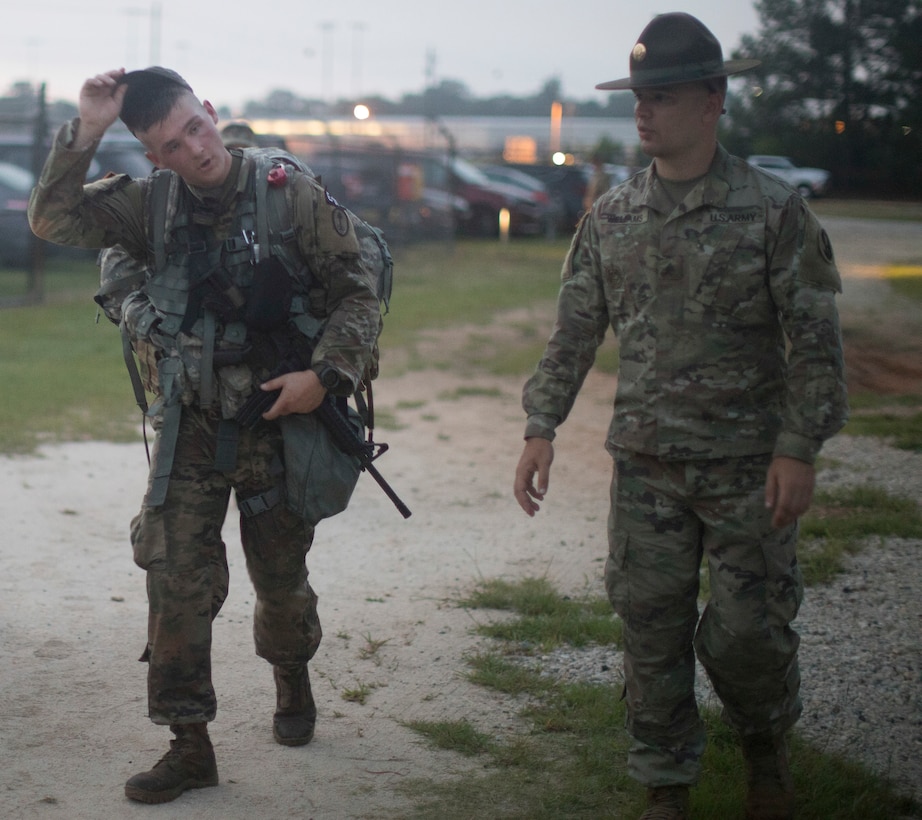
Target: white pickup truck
807,181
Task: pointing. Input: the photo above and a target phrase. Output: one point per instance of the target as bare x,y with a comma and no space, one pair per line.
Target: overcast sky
231,52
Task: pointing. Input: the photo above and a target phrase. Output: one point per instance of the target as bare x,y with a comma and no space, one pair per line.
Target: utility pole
153,15
156,16
326,60
357,30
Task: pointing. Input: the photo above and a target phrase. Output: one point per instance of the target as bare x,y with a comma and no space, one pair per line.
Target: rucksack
376,256
273,218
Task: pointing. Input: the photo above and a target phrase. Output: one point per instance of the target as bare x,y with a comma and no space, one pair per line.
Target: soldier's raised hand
100,104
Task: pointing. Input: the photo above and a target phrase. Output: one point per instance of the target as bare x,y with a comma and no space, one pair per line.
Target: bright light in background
504,220
361,112
559,158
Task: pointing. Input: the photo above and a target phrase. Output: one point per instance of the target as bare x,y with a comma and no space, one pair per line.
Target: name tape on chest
724,216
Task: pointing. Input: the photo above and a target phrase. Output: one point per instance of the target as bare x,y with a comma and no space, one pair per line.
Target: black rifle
344,435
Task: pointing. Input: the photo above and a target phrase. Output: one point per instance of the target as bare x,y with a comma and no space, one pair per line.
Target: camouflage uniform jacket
113,211
703,297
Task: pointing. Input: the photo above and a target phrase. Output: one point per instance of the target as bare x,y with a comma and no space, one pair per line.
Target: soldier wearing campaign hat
720,286
676,48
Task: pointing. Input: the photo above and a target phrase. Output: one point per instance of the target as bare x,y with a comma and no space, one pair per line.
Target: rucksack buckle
249,237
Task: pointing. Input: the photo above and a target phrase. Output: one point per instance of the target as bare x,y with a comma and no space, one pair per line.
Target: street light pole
326,59
153,15
155,24
357,30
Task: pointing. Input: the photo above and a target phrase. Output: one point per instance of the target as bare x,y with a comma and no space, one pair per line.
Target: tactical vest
190,268
183,263
194,278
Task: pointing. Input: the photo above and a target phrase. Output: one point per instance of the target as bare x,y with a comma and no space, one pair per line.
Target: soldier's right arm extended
65,211
582,321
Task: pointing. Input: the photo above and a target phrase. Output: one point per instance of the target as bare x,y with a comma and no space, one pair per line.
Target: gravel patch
861,635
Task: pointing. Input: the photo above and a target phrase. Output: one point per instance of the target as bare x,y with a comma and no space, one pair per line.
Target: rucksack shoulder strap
158,197
268,176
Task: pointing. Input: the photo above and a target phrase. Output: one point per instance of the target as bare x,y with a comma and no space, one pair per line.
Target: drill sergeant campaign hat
676,48
145,87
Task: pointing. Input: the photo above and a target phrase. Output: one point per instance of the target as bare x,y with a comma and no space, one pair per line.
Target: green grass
868,209
902,430
458,736
545,618
896,419
64,378
568,761
841,522
62,373
358,694
469,282
63,278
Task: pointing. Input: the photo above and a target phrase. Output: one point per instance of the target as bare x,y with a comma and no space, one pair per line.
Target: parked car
15,233
16,238
566,185
487,199
117,154
389,188
530,187
807,182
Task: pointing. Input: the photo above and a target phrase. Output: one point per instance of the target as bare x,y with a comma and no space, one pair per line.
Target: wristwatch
329,378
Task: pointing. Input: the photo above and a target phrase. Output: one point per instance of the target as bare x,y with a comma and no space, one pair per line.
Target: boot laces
663,813
666,803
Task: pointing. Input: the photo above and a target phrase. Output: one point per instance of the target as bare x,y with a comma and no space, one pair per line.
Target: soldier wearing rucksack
226,293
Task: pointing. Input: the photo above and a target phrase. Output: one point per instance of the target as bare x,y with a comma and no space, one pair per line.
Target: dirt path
72,614
72,605
883,333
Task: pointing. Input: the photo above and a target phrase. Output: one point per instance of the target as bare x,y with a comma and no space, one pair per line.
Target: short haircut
152,93
716,85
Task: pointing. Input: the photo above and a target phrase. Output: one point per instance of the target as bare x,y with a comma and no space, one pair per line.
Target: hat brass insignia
639,53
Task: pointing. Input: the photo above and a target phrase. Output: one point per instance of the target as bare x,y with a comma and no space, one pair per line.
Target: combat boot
770,787
666,803
190,764
295,713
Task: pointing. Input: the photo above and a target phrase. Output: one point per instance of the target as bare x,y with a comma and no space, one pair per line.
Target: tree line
839,87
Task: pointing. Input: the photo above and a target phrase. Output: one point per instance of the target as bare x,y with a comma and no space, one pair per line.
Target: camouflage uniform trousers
665,516
179,544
